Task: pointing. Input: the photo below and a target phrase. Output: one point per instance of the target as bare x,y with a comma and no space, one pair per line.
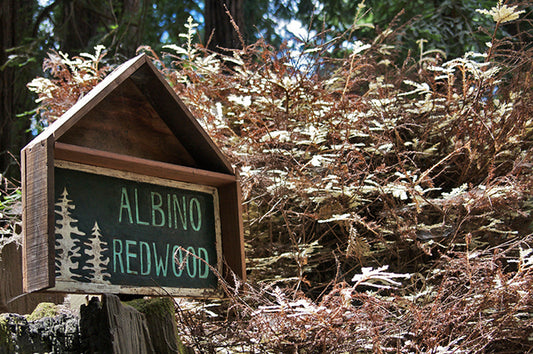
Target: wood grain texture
12,297
180,120
232,229
95,96
125,123
161,321
110,327
128,327
38,215
93,157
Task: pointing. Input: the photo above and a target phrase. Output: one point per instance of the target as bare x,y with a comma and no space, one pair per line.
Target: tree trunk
15,24
78,25
81,22
220,33
131,21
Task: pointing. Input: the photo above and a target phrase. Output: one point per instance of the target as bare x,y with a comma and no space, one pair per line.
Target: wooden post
161,321
148,326
110,327
12,297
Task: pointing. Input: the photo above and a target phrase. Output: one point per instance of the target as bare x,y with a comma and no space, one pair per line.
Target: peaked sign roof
135,112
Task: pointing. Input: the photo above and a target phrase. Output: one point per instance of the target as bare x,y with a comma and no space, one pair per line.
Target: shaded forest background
30,28
385,155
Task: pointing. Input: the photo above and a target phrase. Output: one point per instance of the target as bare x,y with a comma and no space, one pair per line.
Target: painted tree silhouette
99,263
68,238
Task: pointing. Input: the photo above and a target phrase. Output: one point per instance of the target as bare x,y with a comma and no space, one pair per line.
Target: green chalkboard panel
126,233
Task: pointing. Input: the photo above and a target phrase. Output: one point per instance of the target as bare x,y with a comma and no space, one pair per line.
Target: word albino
148,258
155,258
178,212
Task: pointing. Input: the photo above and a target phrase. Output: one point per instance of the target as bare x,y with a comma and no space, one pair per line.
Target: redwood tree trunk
79,24
219,30
15,25
82,22
132,19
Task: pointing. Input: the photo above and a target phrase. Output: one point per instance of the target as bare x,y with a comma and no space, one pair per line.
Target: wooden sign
115,229
122,195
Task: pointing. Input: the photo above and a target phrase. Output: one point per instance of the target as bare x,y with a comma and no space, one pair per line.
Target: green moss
44,309
161,307
6,345
159,310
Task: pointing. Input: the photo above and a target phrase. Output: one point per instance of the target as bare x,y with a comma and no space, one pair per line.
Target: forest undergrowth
387,204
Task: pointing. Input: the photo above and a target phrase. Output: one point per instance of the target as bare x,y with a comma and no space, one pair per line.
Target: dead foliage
470,302
10,212
68,79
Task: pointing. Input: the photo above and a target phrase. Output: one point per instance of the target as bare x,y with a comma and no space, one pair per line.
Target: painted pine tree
80,256
100,261
67,237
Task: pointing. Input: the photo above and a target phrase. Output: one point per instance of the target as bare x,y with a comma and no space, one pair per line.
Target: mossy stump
45,331
110,326
139,326
161,320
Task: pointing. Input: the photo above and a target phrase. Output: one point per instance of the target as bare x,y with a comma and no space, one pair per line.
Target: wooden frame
71,286
228,189
142,166
37,216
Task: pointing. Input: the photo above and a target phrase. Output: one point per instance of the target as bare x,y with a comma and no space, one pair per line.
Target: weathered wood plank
180,120
110,327
124,122
12,298
82,107
93,157
38,215
232,228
